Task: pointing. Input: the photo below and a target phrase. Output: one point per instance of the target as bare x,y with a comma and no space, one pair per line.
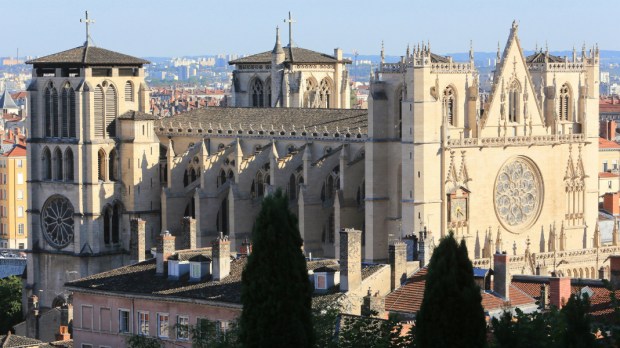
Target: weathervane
87,22
290,22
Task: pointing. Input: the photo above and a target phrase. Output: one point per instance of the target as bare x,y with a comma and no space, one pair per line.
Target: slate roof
245,119
14,341
141,278
88,55
12,267
292,55
7,102
137,116
539,57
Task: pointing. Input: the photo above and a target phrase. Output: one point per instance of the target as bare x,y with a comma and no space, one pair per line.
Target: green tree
137,341
451,314
207,334
10,303
578,330
276,292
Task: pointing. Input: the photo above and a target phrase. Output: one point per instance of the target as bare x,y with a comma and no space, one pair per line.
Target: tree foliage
138,341
569,327
451,314
10,303
276,291
206,333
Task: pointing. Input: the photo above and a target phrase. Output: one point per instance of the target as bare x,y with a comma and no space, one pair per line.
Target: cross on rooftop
87,22
290,22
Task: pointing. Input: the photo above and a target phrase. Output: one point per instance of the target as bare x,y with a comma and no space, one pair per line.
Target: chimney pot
398,263
165,249
221,257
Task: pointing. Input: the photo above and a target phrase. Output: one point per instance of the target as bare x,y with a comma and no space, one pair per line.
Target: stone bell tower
93,157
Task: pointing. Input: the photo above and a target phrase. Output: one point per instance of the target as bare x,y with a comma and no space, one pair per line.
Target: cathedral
513,172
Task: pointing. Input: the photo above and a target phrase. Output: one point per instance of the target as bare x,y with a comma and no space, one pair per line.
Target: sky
149,28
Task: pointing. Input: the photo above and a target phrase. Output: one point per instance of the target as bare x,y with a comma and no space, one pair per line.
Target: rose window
57,221
518,193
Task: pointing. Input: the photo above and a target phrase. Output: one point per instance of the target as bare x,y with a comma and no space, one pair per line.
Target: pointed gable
507,113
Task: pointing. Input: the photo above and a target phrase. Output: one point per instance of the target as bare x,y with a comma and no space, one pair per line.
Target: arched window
69,165
190,208
113,165
222,217
116,222
310,93
325,93
221,179
48,112
257,93
292,187
57,164
514,96
55,120
46,159
72,115
64,117
268,92
101,165
331,185
107,224
565,103
99,118
260,181
129,91
399,110
231,175
449,105
110,111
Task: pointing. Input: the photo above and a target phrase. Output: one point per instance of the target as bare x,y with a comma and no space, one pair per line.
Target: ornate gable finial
463,174
382,52
614,237
515,26
498,57
452,176
471,51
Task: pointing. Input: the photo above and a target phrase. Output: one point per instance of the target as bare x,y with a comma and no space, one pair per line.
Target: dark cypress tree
451,314
276,291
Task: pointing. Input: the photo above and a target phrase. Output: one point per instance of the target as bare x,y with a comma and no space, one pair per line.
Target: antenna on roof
87,22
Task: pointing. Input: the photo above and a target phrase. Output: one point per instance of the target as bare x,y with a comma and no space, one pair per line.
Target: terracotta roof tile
607,175
607,144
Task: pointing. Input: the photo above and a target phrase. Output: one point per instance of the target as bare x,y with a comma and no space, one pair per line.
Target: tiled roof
141,278
247,120
89,55
604,175
539,57
137,115
14,341
607,144
17,151
408,298
292,55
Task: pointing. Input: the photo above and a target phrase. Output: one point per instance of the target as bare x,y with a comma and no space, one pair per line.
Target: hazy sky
195,27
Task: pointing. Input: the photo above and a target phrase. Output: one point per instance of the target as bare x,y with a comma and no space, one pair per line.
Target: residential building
14,198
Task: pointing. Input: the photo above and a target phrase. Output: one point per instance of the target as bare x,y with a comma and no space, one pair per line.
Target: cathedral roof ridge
88,55
276,121
292,55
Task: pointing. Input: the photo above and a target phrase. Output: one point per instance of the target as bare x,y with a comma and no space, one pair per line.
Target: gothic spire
278,46
382,53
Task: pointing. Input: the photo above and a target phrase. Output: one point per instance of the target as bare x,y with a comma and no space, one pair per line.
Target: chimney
246,247
543,296
373,305
501,275
338,54
614,271
63,333
138,240
165,249
350,259
398,263
559,289
601,273
221,257
424,248
612,130
32,320
189,232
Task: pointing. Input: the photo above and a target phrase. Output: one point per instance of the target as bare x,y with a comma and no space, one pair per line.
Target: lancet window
564,104
257,93
514,95
310,93
449,105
